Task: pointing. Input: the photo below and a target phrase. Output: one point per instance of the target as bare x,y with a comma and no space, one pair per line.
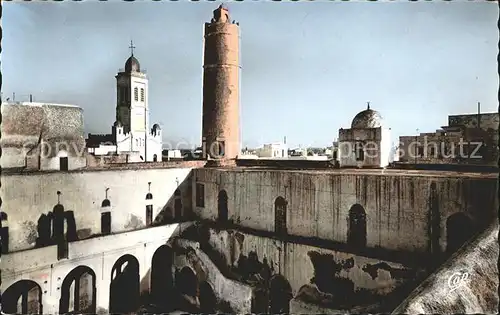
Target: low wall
300,307
445,167
285,163
120,161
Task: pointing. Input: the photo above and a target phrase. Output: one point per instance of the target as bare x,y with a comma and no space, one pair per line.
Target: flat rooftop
304,170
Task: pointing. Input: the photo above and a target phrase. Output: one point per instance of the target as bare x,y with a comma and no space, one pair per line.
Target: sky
307,67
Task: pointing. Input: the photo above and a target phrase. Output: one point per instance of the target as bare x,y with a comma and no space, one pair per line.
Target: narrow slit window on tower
106,222
63,163
149,215
62,249
149,206
360,152
142,95
200,195
136,94
4,233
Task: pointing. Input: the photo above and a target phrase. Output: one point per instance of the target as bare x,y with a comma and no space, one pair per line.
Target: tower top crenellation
221,15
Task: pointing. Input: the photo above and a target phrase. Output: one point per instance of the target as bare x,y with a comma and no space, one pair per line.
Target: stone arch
162,281
4,232
280,294
356,232
280,213
208,299
23,297
187,282
222,208
125,285
106,203
78,292
177,204
459,229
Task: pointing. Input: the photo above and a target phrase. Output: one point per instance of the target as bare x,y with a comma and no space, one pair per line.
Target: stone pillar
221,128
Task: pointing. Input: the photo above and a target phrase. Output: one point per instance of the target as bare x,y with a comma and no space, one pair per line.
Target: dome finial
131,48
368,105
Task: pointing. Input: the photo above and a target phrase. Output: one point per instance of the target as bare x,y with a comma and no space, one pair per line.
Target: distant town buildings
468,139
273,150
130,134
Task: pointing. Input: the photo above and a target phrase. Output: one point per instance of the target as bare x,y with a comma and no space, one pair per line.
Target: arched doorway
162,281
356,233
459,229
155,158
280,205
78,292
222,206
22,297
280,294
208,300
124,287
177,204
187,282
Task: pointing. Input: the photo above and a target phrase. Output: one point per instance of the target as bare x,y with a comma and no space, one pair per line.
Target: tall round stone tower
221,126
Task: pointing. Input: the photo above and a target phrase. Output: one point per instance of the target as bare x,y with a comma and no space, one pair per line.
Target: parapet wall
285,163
120,162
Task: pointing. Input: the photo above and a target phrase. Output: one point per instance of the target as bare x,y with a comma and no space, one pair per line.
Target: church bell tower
132,110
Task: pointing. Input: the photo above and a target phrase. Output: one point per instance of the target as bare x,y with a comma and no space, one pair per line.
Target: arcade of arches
170,288
79,288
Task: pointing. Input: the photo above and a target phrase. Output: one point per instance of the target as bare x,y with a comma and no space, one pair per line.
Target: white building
174,154
130,132
367,143
273,150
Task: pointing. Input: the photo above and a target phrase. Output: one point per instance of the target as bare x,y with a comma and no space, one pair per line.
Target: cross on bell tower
132,47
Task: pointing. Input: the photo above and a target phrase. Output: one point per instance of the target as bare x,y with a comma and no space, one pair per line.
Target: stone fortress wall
404,211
